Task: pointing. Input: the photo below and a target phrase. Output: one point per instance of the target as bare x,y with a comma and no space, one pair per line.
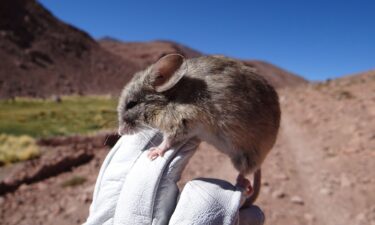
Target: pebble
283,176
360,217
309,217
41,186
23,187
42,213
297,200
90,189
344,181
278,194
365,180
326,191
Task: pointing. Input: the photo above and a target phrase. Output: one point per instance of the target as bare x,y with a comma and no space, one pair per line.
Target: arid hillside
42,56
145,53
277,76
319,172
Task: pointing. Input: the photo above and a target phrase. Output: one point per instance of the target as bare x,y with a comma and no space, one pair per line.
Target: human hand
132,189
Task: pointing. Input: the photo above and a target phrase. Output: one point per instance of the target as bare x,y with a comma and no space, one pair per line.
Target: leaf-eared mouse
214,98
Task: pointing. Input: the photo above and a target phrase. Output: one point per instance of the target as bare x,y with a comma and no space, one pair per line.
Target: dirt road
321,168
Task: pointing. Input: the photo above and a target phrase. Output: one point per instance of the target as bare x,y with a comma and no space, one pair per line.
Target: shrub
17,148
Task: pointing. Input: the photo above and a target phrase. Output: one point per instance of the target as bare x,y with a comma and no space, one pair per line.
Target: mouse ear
165,72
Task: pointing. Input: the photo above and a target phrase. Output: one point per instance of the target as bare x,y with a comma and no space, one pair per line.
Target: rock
42,213
90,189
325,191
278,194
87,198
344,181
360,217
297,200
41,186
365,180
57,98
283,176
23,187
309,217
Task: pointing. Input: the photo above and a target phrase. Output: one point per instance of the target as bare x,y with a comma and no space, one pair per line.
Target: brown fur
218,99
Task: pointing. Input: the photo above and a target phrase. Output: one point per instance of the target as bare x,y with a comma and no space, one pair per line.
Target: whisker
106,139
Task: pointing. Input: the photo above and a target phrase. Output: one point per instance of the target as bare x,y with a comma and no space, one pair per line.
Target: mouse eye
131,104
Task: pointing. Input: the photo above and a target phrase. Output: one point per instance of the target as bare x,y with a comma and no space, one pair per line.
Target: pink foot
245,184
155,152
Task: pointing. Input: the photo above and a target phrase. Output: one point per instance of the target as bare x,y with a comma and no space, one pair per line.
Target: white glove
133,190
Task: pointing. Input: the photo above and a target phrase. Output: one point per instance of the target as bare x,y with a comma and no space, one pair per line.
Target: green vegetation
44,118
17,148
24,119
74,181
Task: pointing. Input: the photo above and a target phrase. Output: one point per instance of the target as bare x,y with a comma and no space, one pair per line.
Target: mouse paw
245,185
155,152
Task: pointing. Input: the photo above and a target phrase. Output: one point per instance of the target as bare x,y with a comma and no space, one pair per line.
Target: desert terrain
321,170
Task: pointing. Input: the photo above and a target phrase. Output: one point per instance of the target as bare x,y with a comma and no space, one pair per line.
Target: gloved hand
131,189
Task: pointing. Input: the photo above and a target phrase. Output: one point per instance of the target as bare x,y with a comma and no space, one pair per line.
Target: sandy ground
321,170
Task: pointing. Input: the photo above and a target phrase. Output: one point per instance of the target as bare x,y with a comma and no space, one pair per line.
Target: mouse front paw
155,152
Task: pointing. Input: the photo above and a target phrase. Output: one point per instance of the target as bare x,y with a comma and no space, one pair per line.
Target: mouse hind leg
249,192
247,163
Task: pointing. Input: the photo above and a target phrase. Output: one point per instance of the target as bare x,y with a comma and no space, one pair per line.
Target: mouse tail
256,189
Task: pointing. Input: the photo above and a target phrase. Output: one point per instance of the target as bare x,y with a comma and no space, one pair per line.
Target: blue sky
316,39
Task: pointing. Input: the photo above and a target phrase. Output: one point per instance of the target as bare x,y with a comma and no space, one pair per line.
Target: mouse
216,99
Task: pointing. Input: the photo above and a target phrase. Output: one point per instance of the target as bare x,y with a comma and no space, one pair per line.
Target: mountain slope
276,75
145,53
42,56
